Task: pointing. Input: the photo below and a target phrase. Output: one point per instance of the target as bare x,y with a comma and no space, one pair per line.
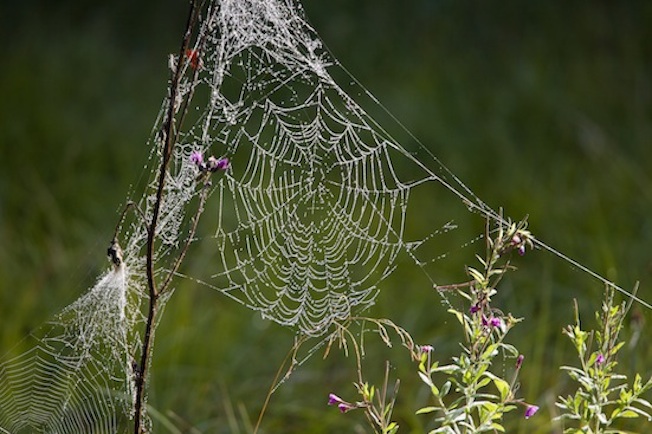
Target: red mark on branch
194,58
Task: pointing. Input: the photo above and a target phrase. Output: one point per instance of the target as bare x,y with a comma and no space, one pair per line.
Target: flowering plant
603,396
472,398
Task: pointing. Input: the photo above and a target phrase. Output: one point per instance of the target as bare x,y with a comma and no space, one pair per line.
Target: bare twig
169,139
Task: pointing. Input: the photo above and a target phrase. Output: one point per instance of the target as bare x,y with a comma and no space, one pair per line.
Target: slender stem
454,286
291,358
168,130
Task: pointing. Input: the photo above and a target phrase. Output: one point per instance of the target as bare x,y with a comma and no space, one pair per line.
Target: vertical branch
169,139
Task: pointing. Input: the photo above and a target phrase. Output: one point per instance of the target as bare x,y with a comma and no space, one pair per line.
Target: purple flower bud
475,308
519,361
341,404
334,399
521,249
516,240
197,158
214,164
344,407
426,348
222,164
600,359
530,411
495,322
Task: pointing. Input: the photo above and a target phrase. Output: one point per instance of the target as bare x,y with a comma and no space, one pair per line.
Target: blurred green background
542,108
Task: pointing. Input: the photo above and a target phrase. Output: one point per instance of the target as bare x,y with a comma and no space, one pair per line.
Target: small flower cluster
378,410
603,396
471,398
211,165
519,240
488,396
494,322
530,410
343,405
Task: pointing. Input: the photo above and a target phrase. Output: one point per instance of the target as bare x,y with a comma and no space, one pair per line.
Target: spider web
313,214
307,222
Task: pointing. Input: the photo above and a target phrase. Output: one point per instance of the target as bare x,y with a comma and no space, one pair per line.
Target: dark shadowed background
541,108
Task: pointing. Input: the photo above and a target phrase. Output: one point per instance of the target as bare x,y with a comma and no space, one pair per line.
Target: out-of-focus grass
541,108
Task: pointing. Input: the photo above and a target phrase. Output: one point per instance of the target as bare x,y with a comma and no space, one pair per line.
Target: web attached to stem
74,378
312,215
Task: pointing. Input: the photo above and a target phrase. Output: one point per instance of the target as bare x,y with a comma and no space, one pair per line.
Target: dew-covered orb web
309,220
314,209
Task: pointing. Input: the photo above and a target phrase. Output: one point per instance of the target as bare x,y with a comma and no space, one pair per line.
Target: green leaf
426,410
511,349
625,395
426,379
483,383
459,315
490,351
592,359
490,407
503,388
643,402
640,412
447,369
445,388
391,428
477,276
616,348
636,386
628,414
496,271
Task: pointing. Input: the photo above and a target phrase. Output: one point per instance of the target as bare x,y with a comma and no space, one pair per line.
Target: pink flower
334,399
197,158
495,322
519,242
423,352
516,240
214,164
345,406
223,164
530,411
600,359
341,404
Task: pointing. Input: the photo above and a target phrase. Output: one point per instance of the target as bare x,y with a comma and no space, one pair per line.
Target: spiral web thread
312,216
